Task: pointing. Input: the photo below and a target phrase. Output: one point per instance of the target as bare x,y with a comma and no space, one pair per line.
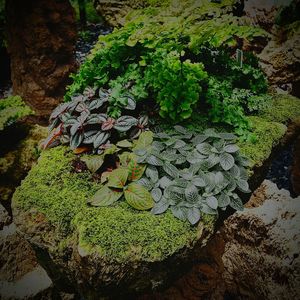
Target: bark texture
41,38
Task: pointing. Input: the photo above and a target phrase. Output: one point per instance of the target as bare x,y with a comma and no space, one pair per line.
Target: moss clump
12,109
267,134
282,109
117,233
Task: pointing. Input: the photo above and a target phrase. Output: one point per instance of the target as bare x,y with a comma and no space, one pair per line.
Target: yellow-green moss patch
118,233
268,135
282,109
12,109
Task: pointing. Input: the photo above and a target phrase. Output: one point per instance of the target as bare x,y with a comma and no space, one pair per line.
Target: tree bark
41,43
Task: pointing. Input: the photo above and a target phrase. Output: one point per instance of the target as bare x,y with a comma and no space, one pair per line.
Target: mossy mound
117,233
11,110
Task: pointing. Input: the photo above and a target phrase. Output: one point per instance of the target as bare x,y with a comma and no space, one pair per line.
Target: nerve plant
86,122
191,173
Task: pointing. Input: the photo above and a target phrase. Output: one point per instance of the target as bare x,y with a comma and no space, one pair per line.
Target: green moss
267,134
117,233
12,109
284,108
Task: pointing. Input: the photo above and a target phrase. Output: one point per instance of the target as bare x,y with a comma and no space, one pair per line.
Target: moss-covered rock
118,244
11,110
114,246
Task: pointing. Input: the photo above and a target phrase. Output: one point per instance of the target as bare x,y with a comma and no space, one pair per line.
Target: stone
114,12
261,258
295,172
41,39
18,159
20,275
5,219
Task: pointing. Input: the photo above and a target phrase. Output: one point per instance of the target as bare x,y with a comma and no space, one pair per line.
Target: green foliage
182,58
91,13
11,110
92,119
193,173
122,181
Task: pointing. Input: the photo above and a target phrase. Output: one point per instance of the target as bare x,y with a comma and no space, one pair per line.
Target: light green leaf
223,200
118,178
179,212
93,163
138,197
236,203
124,144
135,170
204,148
152,173
160,207
193,215
156,194
231,148
170,170
243,186
226,161
212,202
191,193
144,141
154,160
105,197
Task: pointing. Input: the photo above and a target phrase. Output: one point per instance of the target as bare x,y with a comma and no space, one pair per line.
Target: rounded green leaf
135,170
226,161
105,197
93,163
156,194
231,148
193,215
204,148
118,178
212,202
138,197
160,207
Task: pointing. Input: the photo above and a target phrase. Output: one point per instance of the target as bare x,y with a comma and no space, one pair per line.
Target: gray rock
5,219
21,277
261,258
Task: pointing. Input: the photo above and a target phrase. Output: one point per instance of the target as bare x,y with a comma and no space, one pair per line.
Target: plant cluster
182,57
93,120
11,110
193,173
122,181
183,171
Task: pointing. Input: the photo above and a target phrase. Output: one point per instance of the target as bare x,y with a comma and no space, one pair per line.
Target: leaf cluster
123,180
179,56
85,121
191,173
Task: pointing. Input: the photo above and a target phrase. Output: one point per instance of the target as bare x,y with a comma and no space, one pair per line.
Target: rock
19,156
114,12
261,12
41,39
280,60
20,275
295,173
5,219
261,258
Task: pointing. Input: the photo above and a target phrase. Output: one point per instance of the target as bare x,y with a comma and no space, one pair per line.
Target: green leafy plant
123,182
193,173
182,58
85,121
